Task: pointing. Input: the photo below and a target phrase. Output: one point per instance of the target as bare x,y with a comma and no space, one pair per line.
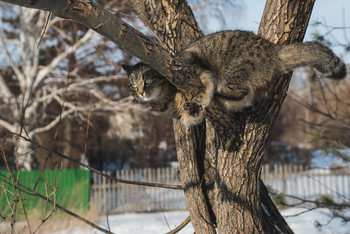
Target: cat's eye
133,86
148,81
147,75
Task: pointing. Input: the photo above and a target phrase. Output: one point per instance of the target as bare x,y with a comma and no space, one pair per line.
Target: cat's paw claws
192,108
192,113
187,106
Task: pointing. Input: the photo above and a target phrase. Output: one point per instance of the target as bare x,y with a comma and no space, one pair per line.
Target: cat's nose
140,92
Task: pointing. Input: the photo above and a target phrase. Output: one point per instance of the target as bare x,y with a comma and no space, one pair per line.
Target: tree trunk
220,163
177,27
24,158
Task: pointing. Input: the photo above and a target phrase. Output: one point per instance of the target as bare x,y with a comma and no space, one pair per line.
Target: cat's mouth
146,97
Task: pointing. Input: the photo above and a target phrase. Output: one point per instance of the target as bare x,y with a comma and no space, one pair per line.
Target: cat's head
144,82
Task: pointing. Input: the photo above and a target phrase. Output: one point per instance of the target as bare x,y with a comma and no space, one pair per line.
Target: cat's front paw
192,113
192,108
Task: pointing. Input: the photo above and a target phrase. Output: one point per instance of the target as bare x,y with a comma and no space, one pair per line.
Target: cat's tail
312,54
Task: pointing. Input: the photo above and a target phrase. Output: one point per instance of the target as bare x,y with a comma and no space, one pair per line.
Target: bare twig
300,213
181,226
333,208
105,58
330,189
159,185
25,188
53,193
45,27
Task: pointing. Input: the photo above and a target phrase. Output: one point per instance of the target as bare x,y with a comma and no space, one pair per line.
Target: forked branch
112,27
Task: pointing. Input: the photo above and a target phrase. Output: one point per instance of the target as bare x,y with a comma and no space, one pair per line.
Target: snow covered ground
163,222
305,223
154,223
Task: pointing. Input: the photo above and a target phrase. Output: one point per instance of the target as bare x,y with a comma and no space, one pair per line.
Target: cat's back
217,49
222,38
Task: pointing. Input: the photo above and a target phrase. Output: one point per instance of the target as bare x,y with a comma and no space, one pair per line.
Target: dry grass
58,223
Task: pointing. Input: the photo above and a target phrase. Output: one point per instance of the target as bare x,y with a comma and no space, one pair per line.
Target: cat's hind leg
235,97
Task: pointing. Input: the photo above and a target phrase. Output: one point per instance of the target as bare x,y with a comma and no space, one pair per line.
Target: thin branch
33,192
6,93
341,216
325,100
51,124
159,185
105,58
8,126
328,115
333,208
330,189
43,72
300,213
181,226
79,83
44,30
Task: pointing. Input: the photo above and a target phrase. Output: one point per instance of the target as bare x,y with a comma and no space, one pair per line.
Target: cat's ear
127,68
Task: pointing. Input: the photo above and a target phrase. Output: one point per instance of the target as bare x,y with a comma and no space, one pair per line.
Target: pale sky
330,11
334,13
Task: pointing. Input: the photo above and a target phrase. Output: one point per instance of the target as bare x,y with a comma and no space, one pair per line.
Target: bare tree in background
44,83
318,110
328,103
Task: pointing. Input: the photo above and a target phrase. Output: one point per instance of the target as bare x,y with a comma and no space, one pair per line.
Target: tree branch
5,91
105,23
8,126
43,72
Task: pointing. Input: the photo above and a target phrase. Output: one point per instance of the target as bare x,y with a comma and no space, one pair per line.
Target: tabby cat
235,67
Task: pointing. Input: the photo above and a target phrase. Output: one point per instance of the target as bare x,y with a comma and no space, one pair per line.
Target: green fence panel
68,188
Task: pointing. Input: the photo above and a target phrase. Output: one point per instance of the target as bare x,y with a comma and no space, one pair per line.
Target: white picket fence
111,197
308,184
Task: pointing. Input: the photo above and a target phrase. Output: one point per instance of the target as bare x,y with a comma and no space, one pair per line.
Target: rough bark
220,162
174,25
